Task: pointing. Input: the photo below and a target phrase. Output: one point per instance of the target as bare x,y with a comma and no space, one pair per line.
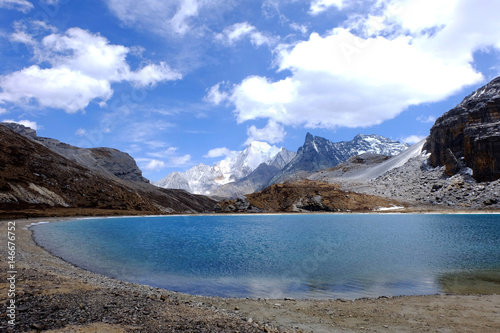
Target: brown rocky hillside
307,196
35,181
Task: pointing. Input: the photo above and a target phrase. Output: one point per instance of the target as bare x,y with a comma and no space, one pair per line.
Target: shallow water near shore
297,256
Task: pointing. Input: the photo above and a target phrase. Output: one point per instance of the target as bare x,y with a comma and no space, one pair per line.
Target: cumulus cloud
412,139
349,78
154,165
24,122
272,133
82,68
215,95
20,5
218,152
319,6
238,31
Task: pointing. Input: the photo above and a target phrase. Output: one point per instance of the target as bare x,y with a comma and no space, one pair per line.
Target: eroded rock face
469,135
108,160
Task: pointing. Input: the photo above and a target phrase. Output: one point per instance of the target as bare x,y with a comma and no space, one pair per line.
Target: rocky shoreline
55,296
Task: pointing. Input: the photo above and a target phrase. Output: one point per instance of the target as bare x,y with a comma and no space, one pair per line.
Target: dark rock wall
469,135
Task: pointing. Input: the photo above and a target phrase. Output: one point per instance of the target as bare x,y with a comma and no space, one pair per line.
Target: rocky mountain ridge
109,161
206,180
36,181
318,153
456,167
315,154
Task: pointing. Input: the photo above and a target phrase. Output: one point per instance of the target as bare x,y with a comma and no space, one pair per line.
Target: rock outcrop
36,181
103,160
307,196
469,135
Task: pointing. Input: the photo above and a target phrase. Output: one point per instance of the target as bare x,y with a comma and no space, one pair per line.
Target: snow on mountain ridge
204,179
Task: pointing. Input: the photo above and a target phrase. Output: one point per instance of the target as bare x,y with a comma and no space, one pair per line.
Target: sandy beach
54,296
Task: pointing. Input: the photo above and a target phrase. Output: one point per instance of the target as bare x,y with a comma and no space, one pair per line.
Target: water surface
276,256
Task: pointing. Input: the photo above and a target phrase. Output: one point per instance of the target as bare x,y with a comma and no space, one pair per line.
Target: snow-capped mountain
204,179
319,153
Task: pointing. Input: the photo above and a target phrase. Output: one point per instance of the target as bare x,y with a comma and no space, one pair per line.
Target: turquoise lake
276,256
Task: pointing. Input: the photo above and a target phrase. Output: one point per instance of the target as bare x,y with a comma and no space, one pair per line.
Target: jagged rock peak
318,153
21,129
469,135
483,94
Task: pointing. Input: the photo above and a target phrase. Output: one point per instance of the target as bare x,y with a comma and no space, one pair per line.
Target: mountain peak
319,153
206,180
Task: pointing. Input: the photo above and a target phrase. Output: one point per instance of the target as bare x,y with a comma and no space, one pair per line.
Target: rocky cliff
103,160
36,181
469,135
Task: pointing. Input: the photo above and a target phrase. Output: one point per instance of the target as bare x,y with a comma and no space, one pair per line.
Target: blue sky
182,82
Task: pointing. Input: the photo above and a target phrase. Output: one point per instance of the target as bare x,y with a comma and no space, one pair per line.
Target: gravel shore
54,296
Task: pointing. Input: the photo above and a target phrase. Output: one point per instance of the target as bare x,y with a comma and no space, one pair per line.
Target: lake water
277,256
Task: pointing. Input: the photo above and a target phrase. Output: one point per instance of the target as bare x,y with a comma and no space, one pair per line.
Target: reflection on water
463,283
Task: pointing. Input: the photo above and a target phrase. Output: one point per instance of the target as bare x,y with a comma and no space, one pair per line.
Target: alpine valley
455,167
261,165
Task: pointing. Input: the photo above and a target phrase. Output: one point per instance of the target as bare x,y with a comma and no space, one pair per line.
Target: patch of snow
383,209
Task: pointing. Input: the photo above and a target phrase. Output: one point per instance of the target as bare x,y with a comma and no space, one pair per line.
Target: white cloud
319,6
170,155
152,74
412,139
272,133
24,122
176,161
83,67
162,17
2,110
342,80
154,165
238,31
171,151
218,152
257,97
35,28
80,132
20,5
58,88
22,37
157,165
428,119
298,27
215,95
